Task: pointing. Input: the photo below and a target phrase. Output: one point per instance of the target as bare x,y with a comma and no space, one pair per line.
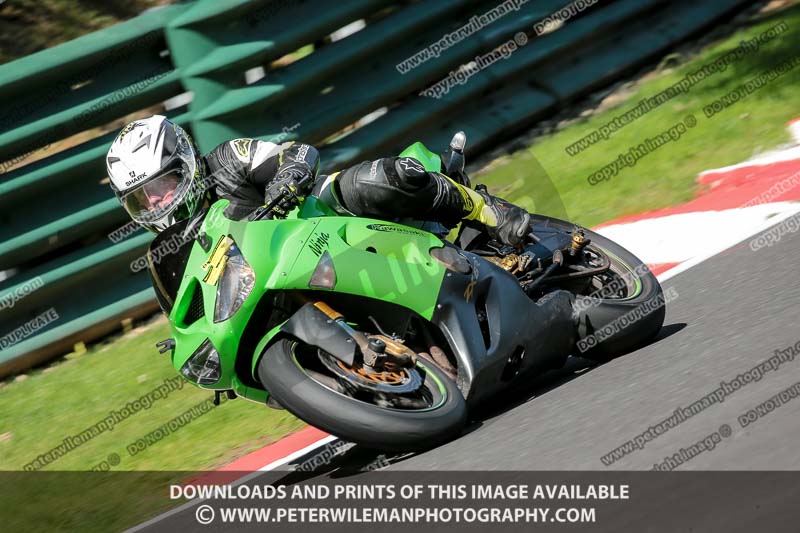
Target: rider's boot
504,221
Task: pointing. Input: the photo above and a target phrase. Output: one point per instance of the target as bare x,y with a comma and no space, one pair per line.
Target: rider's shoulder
241,148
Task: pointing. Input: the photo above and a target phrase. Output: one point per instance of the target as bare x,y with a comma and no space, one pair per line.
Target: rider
160,177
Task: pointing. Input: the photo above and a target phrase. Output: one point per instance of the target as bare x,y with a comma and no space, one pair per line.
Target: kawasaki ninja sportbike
383,333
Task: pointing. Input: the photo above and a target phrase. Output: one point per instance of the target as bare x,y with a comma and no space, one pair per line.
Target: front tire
389,429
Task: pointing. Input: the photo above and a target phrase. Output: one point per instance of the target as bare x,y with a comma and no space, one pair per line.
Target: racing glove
288,189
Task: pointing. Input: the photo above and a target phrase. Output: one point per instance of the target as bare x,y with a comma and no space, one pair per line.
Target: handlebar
266,212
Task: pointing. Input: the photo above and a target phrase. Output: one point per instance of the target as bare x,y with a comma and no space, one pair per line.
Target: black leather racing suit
391,188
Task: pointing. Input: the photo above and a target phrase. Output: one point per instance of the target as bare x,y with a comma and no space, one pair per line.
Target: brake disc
391,379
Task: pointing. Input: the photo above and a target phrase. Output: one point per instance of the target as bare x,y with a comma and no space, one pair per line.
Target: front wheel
313,386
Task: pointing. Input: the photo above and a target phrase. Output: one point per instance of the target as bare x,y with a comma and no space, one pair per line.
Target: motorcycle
384,333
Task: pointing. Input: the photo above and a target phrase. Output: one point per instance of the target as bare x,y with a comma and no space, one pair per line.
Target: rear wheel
398,409
621,308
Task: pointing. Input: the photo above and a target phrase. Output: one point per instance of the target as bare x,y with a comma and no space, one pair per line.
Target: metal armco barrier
346,95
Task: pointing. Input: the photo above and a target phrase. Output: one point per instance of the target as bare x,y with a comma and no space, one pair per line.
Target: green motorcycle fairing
372,258
430,161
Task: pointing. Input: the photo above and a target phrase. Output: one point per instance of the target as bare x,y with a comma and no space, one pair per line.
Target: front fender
313,327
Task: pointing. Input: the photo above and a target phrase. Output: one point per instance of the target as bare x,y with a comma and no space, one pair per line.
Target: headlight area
203,366
235,285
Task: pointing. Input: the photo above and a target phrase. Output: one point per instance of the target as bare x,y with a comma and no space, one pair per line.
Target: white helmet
156,172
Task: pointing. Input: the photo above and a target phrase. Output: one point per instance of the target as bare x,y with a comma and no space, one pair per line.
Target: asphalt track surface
732,312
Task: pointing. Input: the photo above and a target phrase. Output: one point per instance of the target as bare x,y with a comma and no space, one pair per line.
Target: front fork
340,339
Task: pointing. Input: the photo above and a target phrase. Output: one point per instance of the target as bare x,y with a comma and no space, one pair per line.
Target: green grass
39,412
667,176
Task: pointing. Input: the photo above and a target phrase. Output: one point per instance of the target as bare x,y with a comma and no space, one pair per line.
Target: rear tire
594,314
376,427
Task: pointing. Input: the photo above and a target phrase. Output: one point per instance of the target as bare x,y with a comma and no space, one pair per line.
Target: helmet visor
158,196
